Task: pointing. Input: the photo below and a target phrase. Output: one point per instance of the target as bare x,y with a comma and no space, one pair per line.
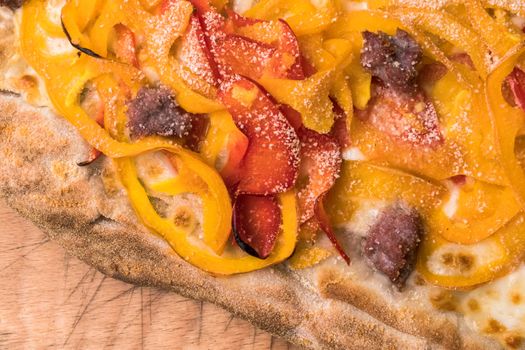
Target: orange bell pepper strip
506,120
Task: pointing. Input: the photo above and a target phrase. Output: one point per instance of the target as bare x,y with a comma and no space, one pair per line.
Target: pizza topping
392,242
124,45
271,162
12,4
516,83
256,222
154,111
392,59
408,117
320,164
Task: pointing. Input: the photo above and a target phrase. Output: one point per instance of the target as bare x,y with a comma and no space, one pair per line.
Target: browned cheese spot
494,326
183,217
516,298
444,300
514,341
461,262
473,305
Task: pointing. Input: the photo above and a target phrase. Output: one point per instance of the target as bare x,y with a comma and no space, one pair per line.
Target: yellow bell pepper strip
332,54
191,178
509,5
446,27
506,120
473,211
309,97
496,35
199,255
301,15
224,146
362,182
457,266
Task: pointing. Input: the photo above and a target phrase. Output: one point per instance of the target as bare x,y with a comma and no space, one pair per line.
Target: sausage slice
393,241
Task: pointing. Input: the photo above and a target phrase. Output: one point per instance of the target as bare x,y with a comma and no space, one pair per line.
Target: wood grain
49,299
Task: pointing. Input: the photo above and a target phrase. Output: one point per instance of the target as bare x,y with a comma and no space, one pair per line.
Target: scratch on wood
200,322
150,302
158,296
66,268
79,317
45,240
90,270
253,337
35,247
229,322
120,295
142,317
115,334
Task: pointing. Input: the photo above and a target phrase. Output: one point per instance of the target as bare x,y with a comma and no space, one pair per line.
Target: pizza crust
85,209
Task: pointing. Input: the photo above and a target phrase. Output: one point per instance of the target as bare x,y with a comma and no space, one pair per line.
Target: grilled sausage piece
392,59
12,4
392,242
154,111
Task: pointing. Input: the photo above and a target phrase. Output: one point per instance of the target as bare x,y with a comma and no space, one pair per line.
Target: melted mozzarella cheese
353,153
498,308
451,206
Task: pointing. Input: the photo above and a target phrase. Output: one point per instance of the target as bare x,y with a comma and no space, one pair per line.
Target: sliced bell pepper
256,221
473,211
198,254
323,219
286,63
225,147
496,35
240,55
193,54
516,81
169,175
272,160
125,45
506,120
303,17
310,97
456,266
320,165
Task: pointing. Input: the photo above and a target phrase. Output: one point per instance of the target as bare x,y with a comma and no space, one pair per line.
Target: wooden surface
49,299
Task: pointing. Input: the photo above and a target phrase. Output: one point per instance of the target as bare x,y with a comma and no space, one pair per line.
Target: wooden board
49,299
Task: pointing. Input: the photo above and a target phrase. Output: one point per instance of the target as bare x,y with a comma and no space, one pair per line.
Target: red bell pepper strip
271,162
125,46
320,165
324,224
256,223
516,81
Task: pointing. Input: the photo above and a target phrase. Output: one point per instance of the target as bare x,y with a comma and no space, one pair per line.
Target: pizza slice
343,174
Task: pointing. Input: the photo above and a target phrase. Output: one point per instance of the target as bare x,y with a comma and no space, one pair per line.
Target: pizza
343,174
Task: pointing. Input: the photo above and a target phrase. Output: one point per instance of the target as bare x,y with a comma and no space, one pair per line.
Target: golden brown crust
87,212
